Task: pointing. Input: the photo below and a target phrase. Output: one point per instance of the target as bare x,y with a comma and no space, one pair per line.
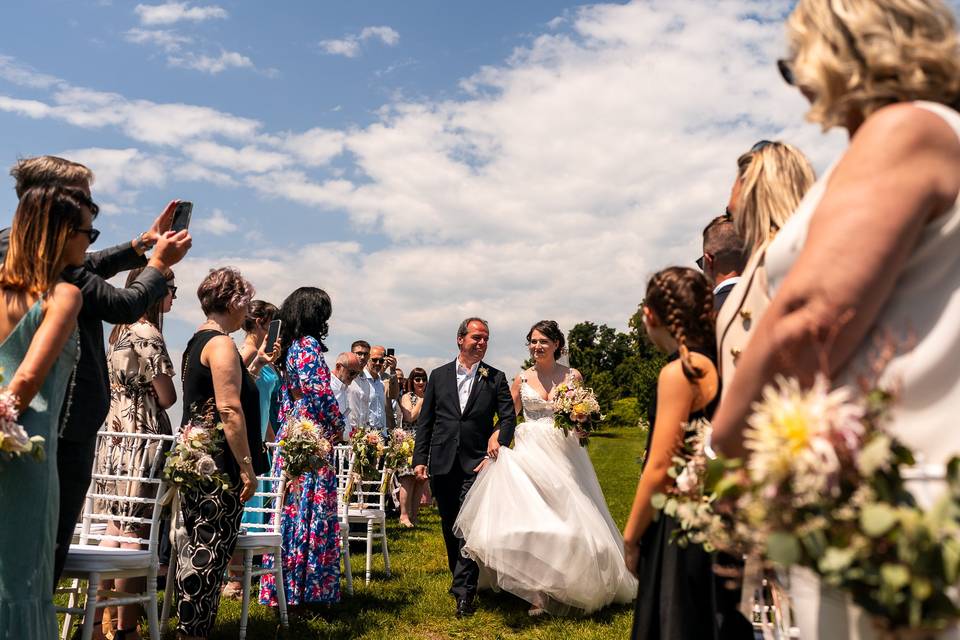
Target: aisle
413,603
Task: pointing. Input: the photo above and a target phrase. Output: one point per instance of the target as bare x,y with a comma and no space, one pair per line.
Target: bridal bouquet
14,439
304,448
825,488
191,461
576,409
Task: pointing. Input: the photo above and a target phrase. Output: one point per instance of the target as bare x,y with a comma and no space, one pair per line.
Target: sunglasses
172,289
352,373
376,359
785,67
91,233
419,379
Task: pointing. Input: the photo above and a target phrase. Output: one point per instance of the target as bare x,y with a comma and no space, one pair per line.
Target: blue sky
422,161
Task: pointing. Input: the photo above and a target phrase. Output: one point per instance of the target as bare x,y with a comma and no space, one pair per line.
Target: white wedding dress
536,521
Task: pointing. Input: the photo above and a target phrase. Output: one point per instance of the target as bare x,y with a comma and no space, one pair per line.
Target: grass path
413,602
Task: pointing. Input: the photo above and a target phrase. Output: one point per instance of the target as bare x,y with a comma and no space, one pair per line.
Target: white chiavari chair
367,506
87,560
343,465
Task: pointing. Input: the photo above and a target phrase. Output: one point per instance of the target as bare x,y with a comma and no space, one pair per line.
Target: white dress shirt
465,380
369,401
341,393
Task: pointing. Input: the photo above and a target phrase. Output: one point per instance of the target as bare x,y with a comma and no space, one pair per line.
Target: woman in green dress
51,230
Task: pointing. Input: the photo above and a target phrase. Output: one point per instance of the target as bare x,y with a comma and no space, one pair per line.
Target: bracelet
247,460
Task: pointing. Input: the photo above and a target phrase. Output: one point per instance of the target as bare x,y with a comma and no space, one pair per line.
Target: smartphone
273,333
181,217
390,351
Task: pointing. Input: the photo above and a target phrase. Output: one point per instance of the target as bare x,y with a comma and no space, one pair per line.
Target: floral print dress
138,355
310,526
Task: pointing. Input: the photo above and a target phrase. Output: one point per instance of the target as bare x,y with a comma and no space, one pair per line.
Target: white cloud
350,45
210,64
118,171
173,12
13,71
248,159
217,223
164,39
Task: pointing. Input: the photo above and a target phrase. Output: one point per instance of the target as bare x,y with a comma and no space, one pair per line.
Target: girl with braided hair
677,585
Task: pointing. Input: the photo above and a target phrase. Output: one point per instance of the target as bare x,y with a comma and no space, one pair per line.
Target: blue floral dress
310,528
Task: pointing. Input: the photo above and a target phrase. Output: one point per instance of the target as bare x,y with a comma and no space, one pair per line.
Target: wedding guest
215,383
872,255
102,302
346,370
412,487
256,357
361,348
52,228
772,177
674,581
371,391
723,257
141,390
310,526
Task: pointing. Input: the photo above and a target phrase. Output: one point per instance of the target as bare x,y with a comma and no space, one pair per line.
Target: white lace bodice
534,407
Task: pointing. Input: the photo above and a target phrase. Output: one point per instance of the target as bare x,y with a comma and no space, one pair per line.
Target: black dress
210,514
676,597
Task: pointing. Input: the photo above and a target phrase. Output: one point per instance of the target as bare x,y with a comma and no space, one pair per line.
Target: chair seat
259,540
86,558
366,514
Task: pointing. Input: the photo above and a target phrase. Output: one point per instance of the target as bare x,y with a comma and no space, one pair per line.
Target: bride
535,520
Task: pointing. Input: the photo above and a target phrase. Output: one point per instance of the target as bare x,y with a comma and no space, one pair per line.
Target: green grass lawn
413,602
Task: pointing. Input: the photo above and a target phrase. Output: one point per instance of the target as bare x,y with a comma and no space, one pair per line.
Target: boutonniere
484,372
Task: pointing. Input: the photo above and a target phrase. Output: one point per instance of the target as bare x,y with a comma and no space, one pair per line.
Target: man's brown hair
49,170
724,244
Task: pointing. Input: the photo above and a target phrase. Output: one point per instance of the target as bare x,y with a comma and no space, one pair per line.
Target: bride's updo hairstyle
682,300
550,329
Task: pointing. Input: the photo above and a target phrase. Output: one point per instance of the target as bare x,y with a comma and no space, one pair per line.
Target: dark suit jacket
721,295
102,302
446,435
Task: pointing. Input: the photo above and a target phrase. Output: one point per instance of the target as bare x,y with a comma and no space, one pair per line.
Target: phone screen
272,334
181,217
390,351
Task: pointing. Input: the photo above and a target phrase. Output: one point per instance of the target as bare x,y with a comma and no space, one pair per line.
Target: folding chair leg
369,548
345,552
281,587
153,616
383,542
90,607
245,607
170,591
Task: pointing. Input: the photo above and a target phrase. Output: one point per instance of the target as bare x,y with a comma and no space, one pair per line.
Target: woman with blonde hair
772,178
873,251
52,228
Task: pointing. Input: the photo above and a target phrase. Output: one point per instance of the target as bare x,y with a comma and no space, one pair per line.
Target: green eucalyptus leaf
783,548
878,518
950,551
835,560
894,576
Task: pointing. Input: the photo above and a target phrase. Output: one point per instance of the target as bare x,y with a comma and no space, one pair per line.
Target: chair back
268,510
128,471
343,467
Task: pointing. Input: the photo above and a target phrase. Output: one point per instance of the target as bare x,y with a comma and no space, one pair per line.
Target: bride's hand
493,445
483,465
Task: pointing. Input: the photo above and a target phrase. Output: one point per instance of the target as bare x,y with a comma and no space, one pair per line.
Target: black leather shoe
465,607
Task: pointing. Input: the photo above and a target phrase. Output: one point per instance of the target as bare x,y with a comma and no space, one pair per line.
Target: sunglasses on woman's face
419,379
172,290
91,233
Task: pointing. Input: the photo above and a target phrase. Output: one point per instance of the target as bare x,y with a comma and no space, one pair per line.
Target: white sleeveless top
922,314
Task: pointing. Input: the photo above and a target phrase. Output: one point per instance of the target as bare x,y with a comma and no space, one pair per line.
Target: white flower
15,437
687,480
206,466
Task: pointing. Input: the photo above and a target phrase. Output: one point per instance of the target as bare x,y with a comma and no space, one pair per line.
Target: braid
674,295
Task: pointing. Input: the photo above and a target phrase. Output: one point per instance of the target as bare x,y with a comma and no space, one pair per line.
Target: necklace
414,399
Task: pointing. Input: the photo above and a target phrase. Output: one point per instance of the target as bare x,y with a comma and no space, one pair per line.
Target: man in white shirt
347,368
369,393
723,259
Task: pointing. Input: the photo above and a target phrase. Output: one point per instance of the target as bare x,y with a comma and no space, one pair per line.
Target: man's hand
493,445
420,471
160,226
390,362
171,248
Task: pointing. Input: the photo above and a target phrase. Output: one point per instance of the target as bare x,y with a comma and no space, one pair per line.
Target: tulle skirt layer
537,524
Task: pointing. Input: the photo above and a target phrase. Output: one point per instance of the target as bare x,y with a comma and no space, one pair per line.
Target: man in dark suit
457,438
102,302
723,259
